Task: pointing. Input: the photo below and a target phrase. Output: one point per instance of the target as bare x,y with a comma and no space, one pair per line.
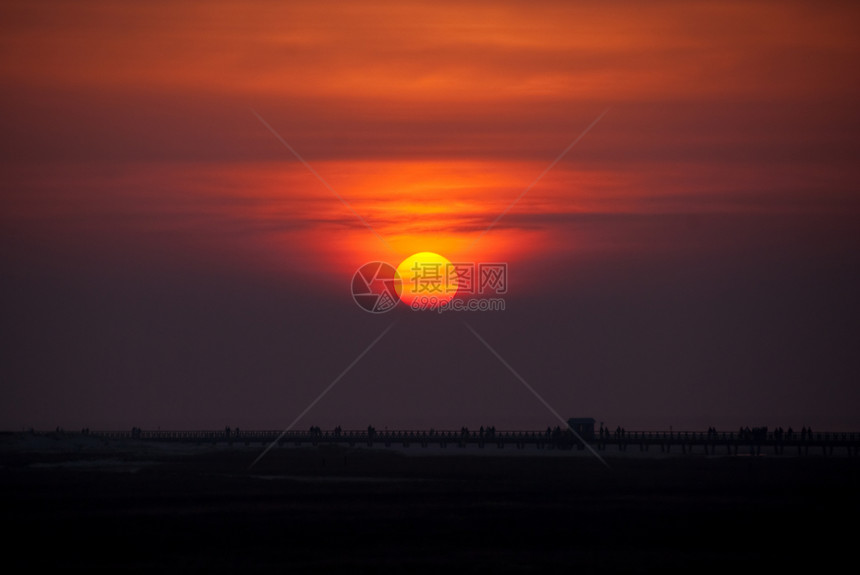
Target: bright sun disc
425,280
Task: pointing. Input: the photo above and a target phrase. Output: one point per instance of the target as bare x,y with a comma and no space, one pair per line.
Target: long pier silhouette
663,442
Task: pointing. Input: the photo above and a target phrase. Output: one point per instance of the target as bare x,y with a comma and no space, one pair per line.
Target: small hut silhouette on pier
584,426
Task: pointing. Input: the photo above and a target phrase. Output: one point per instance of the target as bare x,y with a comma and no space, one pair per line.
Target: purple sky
693,261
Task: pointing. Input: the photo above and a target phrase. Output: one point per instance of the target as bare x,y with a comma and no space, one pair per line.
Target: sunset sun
425,279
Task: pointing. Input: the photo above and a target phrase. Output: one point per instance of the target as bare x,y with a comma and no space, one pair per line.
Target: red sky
431,117
128,138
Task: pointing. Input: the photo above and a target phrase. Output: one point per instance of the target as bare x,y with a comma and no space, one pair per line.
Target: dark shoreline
333,509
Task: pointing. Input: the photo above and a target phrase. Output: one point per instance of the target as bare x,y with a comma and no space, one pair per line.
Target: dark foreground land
349,510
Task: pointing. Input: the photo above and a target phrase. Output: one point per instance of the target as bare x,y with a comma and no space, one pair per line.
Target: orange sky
428,118
167,261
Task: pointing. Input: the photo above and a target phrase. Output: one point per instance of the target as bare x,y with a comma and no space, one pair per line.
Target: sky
693,260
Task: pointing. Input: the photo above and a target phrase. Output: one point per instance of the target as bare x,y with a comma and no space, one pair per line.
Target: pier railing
708,443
